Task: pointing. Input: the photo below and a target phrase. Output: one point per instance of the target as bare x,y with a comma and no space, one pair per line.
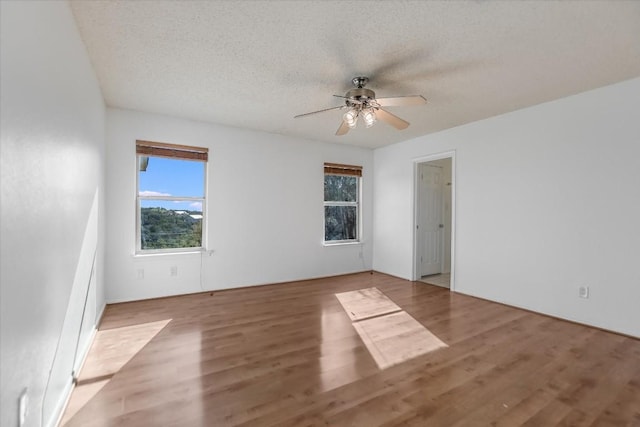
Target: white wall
265,208
547,199
51,151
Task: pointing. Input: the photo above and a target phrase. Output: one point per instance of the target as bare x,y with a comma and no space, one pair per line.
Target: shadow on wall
79,322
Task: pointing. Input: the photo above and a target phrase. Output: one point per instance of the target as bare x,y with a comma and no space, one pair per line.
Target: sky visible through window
172,177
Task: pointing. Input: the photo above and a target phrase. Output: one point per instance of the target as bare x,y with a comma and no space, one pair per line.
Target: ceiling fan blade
389,118
343,129
320,111
400,101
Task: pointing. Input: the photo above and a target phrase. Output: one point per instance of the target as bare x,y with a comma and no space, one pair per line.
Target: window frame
350,171
176,152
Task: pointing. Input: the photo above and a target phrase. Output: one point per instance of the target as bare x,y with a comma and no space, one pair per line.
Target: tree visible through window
171,196
341,202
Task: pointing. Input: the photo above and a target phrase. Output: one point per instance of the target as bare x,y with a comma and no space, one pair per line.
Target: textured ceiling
256,64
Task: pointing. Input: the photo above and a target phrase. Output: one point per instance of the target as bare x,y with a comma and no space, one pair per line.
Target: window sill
172,253
327,244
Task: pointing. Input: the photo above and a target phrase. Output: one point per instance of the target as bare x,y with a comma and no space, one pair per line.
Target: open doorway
433,221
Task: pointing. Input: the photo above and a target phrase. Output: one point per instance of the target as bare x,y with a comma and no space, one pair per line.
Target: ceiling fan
362,102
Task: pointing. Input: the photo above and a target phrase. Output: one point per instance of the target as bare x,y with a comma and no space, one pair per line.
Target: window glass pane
340,188
340,223
171,177
170,224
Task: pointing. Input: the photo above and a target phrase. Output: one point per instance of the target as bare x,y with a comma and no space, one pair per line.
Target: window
170,197
341,203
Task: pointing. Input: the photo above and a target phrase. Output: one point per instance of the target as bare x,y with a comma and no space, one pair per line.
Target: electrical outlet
23,405
174,271
140,274
583,292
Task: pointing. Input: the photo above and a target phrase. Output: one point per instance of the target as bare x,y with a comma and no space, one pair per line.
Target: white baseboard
85,351
63,402
100,314
61,405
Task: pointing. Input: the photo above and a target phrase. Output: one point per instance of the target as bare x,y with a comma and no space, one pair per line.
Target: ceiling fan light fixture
369,117
350,118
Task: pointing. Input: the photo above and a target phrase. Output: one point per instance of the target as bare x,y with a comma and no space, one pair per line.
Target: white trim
68,390
416,162
99,316
136,200
85,351
432,157
65,397
169,251
341,243
205,205
166,252
61,406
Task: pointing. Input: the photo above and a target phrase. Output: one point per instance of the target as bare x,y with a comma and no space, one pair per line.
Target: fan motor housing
360,94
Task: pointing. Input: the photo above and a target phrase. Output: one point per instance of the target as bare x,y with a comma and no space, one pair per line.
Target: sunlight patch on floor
365,303
390,334
396,338
111,350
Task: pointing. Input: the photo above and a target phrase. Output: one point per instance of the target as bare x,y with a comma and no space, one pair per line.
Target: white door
430,227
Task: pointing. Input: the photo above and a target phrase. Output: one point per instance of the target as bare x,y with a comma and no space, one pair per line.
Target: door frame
416,188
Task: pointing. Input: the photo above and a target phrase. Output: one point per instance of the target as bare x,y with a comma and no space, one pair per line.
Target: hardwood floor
440,279
288,355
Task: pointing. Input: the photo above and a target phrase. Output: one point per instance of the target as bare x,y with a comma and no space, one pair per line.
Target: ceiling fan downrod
360,82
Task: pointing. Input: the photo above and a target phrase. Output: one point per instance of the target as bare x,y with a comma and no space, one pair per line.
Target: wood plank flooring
288,355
